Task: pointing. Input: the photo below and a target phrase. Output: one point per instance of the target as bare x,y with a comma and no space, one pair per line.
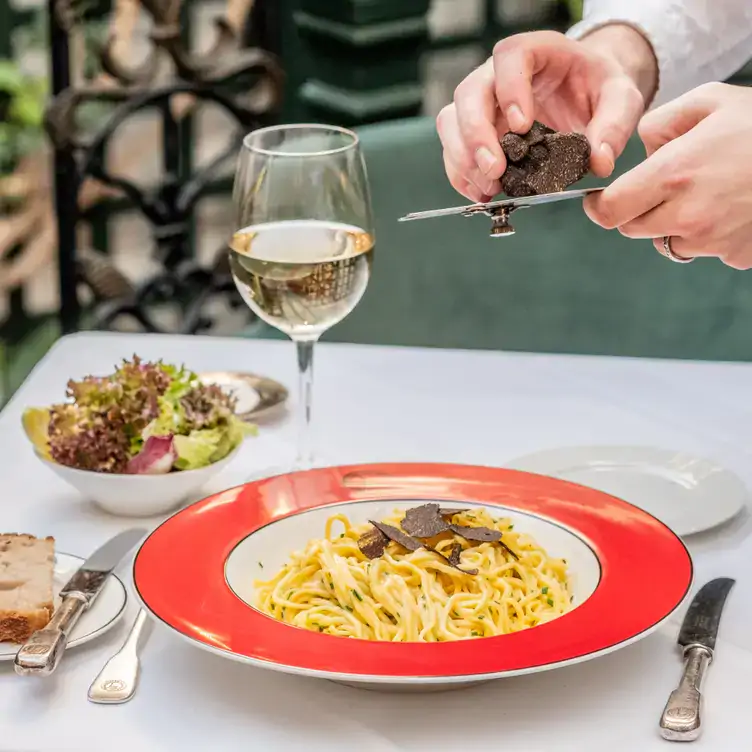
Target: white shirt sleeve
695,41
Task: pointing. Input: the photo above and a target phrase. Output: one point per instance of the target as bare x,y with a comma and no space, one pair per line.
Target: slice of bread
26,572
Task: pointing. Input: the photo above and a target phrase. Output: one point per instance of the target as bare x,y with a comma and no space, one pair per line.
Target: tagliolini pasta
332,586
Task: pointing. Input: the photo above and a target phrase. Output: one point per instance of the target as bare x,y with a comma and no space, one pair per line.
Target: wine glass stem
304,348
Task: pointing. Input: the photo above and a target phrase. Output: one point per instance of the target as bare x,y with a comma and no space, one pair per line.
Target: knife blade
507,203
41,653
681,718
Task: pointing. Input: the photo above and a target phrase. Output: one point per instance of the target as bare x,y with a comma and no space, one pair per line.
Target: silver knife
500,210
41,653
681,720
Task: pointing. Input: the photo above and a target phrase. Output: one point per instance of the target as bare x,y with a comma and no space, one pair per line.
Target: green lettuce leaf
170,420
205,446
183,381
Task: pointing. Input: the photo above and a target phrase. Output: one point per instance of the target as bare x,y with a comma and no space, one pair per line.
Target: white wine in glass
302,253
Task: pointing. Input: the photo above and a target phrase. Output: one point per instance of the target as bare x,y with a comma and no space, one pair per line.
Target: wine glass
302,251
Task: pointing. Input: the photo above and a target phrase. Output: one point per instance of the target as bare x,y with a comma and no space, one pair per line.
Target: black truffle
543,161
373,543
454,554
454,559
483,535
411,544
451,511
396,535
424,521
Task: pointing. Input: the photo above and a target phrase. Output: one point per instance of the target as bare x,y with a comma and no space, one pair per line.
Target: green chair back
560,284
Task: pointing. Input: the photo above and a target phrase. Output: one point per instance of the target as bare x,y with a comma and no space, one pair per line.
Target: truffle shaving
482,535
396,535
454,556
424,521
373,543
413,544
453,561
451,511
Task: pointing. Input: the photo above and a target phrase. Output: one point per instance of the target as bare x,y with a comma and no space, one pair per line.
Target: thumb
616,115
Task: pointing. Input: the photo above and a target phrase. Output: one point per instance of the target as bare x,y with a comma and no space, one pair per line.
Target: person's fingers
476,114
674,119
657,179
617,112
460,183
681,217
684,248
624,199
655,223
460,155
516,61
734,251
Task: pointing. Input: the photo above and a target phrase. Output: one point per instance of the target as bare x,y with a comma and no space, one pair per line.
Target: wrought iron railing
245,82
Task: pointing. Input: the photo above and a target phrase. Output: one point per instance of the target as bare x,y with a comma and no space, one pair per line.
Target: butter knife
681,719
41,653
500,210
117,681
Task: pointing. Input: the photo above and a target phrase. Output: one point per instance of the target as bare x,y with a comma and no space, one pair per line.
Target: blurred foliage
575,9
22,101
35,36
23,96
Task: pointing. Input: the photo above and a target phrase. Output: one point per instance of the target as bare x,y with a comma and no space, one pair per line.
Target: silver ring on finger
669,253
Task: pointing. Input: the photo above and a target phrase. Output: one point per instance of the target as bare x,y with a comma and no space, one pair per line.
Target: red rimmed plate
195,572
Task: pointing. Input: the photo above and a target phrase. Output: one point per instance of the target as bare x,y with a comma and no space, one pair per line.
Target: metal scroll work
173,81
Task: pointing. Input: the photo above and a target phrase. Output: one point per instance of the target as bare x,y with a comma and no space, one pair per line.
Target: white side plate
687,493
256,395
107,610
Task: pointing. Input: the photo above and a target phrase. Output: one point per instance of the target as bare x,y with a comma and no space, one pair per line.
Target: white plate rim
365,680
545,462
91,635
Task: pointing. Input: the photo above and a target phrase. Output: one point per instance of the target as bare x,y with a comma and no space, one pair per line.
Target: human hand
597,86
695,185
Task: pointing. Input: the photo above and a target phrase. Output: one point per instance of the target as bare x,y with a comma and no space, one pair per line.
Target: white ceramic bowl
138,495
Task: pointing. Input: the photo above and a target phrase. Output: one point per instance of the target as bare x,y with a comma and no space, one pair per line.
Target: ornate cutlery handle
41,653
681,720
118,680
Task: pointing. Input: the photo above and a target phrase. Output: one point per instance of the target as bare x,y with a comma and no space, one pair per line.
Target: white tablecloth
379,404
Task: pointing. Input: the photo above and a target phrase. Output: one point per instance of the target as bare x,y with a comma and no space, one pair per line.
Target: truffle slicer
499,211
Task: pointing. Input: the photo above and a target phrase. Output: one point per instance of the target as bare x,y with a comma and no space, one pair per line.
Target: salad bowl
130,495
140,440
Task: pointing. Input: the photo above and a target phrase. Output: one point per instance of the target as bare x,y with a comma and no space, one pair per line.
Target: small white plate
687,493
107,610
256,395
247,397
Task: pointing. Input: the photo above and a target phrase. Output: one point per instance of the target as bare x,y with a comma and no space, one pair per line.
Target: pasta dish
423,575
